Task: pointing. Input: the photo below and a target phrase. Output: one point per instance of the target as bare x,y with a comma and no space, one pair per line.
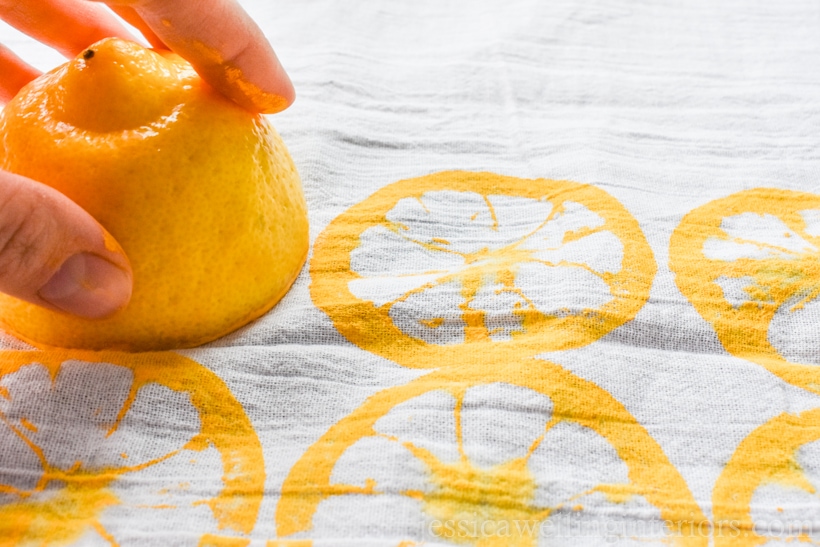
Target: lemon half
202,196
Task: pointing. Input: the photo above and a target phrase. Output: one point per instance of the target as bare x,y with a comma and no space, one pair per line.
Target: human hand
52,252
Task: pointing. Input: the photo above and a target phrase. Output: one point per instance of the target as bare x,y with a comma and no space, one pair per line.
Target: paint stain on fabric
212,540
571,213
434,323
767,456
708,250
65,504
461,490
505,493
479,498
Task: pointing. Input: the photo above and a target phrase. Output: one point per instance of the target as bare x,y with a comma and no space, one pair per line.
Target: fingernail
89,286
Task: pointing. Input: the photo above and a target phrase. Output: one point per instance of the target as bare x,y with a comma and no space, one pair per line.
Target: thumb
54,254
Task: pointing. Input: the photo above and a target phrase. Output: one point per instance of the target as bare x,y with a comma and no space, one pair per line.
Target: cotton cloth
563,290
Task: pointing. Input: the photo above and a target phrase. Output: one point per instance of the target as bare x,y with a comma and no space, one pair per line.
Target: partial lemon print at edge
768,490
69,501
749,263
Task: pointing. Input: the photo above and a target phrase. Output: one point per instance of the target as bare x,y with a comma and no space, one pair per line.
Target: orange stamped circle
487,498
747,261
68,499
769,458
459,268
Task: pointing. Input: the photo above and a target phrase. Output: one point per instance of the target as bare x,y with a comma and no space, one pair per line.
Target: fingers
132,17
54,254
225,47
69,26
16,73
217,37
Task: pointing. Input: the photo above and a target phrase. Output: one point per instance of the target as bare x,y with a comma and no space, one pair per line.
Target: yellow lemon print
750,265
768,494
459,267
79,432
211,540
450,461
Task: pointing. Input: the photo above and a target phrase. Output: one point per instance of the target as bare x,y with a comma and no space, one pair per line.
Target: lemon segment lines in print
450,457
113,466
459,266
750,265
769,492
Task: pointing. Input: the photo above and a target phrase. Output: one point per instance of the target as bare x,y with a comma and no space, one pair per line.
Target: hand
53,253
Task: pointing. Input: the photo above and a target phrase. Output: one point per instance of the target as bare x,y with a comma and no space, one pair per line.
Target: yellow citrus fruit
201,194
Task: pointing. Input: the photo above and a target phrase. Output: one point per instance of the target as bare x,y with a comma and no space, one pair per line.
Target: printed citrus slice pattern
768,492
118,462
750,265
460,267
452,469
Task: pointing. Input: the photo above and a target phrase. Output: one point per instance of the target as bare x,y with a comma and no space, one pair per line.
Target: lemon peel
202,196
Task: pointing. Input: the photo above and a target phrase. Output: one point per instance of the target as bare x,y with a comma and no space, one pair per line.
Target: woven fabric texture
563,289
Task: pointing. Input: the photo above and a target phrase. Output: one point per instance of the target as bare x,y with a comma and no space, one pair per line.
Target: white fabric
666,106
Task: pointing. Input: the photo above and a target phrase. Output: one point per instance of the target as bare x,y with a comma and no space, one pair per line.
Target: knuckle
23,242
239,50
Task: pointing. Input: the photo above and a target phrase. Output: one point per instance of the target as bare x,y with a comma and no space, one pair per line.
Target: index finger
224,46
